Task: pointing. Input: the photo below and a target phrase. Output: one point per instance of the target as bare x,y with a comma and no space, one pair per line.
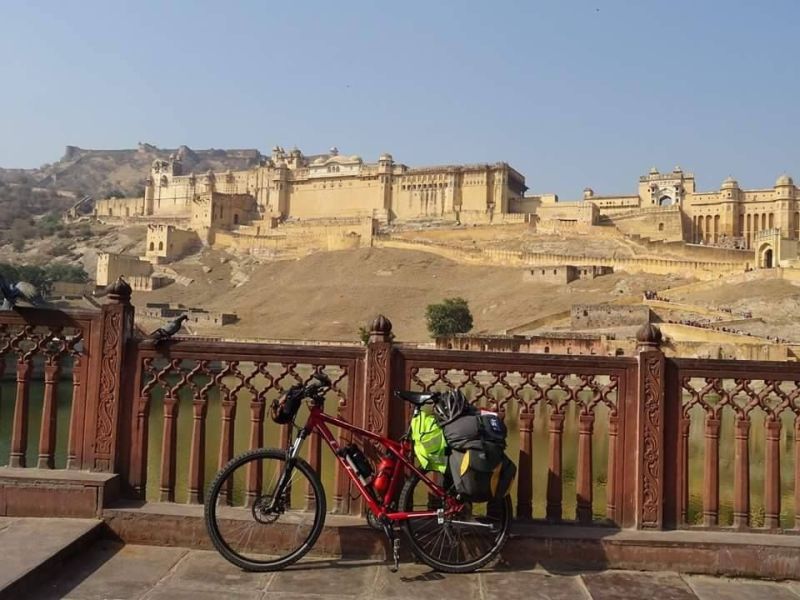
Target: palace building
731,216
291,185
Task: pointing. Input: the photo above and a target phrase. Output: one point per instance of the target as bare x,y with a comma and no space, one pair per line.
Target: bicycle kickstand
394,543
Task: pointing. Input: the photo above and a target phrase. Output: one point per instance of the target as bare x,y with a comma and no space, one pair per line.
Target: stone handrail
128,395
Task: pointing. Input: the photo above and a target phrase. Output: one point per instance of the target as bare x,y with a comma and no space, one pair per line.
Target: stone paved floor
111,571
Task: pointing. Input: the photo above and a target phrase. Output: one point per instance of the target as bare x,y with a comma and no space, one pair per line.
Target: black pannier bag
482,474
477,462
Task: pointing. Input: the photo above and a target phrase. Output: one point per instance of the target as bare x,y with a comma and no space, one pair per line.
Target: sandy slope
329,295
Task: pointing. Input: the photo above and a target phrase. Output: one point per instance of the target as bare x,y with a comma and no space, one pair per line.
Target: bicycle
257,507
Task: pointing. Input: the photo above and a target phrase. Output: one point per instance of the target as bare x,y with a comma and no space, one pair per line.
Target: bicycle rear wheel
241,522
454,547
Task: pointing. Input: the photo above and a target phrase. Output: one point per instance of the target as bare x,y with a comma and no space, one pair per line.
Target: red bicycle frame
318,422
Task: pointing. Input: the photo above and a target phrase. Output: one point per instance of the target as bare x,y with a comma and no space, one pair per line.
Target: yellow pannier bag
429,443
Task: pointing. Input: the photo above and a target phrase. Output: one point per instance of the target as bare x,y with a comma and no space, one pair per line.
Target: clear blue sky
571,93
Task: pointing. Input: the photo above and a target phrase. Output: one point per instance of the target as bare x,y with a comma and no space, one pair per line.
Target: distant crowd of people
653,295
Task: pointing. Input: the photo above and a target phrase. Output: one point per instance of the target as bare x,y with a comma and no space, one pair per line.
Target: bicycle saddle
416,398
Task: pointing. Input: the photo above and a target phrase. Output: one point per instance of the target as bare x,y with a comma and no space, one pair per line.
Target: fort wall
167,242
596,316
509,258
112,266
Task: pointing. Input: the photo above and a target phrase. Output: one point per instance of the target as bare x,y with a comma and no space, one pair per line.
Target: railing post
103,414
650,430
378,376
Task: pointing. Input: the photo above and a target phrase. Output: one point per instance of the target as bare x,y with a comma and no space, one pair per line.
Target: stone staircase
36,547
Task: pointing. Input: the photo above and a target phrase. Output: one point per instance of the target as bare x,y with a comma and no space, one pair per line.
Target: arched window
661,227
152,246
160,245
236,219
547,349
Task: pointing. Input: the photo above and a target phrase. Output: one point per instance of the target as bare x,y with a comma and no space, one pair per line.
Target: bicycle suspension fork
286,476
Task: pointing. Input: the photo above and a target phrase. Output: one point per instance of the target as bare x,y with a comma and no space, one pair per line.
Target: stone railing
598,440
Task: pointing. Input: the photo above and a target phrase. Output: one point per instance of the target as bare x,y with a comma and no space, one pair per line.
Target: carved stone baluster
772,481
197,458
741,474
525,478
711,473
683,469
75,440
611,475
583,510
47,432
554,479
254,471
19,432
169,448
797,472
226,445
139,454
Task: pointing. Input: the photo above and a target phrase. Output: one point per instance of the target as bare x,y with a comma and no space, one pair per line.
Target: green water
540,450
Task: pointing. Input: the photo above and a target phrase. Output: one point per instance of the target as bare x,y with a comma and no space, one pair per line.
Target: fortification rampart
301,238
595,316
511,258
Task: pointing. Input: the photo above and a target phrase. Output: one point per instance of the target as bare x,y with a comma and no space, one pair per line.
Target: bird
12,292
168,330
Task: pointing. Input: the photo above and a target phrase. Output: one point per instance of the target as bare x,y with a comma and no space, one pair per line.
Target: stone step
34,547
730,553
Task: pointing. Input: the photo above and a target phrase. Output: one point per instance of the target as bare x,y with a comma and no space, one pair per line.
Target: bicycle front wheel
461,544
249,526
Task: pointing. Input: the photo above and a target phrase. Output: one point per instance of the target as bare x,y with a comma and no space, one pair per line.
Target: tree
449,317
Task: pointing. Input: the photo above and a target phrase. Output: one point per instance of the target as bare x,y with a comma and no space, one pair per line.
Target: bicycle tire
418,532
217,498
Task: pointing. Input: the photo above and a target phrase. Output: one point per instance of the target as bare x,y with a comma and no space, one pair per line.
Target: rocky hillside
100,173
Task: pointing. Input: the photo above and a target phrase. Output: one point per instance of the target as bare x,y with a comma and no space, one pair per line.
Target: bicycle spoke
460,542
257,523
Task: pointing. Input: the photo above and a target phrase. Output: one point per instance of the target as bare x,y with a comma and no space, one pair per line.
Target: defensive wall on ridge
695,268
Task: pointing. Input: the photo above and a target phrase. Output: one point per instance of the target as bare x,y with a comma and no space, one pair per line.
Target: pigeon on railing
168,330
10,293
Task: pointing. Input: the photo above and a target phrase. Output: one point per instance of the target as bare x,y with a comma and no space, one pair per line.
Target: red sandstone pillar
554,477
197,457
772,482
19,431
524,481
611,479
47,432
378,376
650,446
741,474
103,402
797,472
711,473
683,470
583,512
